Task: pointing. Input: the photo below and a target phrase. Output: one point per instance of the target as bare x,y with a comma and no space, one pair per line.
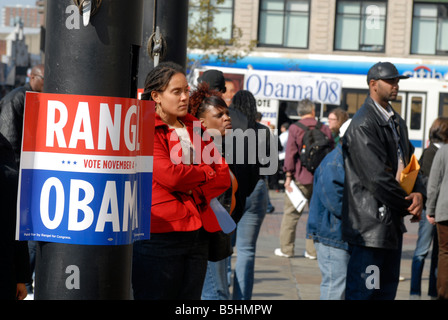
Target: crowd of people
359,200
357,204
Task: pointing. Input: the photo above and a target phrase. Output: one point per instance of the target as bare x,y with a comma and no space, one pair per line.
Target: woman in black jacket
256,203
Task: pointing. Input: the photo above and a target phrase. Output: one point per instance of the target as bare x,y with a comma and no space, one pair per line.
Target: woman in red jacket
188,172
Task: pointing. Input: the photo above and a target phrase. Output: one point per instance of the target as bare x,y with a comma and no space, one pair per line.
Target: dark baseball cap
215,80
384,71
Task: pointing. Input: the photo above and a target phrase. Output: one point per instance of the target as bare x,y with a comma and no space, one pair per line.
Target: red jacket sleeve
177,177
214,187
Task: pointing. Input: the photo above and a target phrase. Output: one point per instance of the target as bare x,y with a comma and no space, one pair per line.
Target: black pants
170,266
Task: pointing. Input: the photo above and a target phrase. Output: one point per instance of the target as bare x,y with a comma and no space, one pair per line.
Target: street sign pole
170,17
93,55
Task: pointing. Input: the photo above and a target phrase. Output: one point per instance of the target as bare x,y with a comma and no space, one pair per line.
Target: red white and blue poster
85,169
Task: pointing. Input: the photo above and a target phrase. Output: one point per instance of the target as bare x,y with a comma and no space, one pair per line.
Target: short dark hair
214,101
204,97
439,130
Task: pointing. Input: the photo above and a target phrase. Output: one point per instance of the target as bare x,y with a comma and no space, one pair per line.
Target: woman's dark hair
245,102
159,77
202,98
439,130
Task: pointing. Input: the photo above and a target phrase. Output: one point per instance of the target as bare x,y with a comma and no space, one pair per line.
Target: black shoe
271,209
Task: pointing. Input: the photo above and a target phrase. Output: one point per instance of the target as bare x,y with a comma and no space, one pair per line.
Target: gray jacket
437,201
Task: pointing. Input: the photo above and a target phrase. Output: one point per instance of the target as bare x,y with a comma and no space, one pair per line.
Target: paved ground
298,278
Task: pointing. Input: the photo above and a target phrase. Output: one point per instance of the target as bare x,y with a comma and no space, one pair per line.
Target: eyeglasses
38,75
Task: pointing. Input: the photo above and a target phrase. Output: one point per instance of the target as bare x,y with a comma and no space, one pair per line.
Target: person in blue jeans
207,104
247,232
427,233
216,283
324,223
211,110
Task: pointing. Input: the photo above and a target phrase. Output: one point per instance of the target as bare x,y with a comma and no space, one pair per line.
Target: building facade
378,29
29,15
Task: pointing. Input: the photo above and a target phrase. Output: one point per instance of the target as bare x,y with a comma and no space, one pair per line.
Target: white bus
422,98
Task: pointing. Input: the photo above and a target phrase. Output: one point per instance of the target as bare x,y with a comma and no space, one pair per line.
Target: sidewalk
298,278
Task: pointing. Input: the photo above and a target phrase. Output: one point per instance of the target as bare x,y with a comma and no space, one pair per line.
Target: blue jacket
324,221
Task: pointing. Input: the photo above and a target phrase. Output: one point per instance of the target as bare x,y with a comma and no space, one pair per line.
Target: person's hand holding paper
407,181
296,196
409,175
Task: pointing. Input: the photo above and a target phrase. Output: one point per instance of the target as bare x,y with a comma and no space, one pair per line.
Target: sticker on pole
85,169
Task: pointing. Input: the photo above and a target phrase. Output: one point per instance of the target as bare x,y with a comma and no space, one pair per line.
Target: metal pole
98,59
171,18
146,63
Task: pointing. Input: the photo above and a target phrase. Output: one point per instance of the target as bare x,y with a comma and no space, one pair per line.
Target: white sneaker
278,252
29,296
307,255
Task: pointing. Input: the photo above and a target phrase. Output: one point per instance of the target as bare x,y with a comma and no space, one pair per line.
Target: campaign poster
293,86
85,169
269,112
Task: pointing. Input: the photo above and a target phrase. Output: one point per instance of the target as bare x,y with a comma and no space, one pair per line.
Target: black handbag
219,246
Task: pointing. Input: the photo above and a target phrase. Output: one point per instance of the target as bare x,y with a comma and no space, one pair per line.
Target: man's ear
203,122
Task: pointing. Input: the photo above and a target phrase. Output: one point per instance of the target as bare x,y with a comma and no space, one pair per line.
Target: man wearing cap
215,80
376,148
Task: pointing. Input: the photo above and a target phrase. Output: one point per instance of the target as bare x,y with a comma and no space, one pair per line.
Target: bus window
416,112
443,105
353,101
415,116
289,109
397,105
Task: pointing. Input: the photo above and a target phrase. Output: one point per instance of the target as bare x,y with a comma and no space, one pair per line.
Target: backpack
315,146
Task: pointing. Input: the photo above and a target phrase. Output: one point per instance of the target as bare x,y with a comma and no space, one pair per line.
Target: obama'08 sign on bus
85,169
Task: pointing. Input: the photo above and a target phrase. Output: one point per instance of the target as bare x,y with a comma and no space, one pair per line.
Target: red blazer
181,193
